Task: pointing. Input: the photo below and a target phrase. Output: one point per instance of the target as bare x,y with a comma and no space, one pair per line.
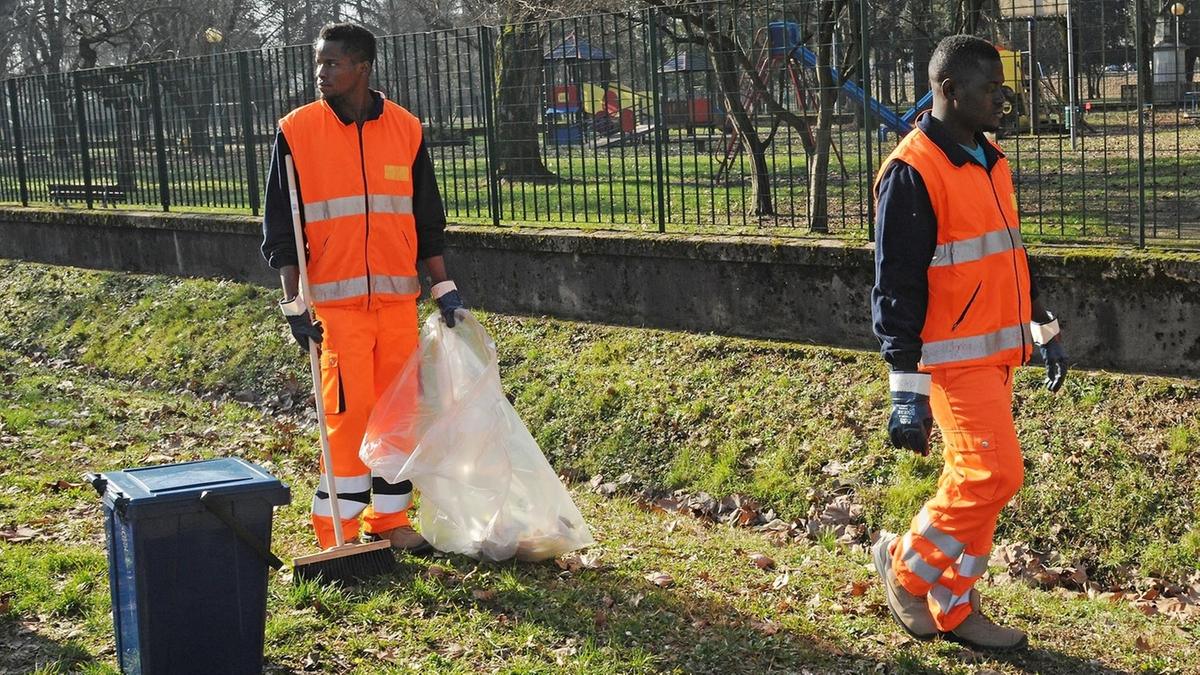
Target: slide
899,123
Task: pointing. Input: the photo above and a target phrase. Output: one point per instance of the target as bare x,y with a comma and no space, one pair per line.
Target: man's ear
948,88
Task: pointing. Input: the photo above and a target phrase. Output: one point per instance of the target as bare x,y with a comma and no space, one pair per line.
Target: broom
344,562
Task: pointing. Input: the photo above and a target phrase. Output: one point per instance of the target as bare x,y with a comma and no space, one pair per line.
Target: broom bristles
346,564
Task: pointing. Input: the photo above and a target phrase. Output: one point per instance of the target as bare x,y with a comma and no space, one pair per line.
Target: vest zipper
1012,247
362,163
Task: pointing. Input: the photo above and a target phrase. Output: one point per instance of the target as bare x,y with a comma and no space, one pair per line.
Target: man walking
371,209
955,311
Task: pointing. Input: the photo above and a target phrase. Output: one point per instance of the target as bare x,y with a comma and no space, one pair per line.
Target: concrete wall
1121,310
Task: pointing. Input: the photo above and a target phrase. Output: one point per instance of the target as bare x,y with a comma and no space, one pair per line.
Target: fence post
84,153
1141,121
869,125
18,142
488,65
160,149
659,197
243,62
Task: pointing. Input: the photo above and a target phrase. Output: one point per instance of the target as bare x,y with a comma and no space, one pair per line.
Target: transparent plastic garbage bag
444,424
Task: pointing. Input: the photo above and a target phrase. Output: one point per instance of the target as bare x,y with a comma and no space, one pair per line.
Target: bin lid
155,487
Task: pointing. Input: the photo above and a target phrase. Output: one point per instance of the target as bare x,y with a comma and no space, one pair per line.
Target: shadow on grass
685,628
24,650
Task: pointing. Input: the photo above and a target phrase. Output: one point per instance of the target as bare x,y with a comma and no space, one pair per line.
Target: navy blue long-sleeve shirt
905,237
279,242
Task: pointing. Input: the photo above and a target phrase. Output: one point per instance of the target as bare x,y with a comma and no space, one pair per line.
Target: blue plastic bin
189,595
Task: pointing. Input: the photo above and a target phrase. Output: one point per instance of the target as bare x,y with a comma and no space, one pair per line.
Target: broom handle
314,359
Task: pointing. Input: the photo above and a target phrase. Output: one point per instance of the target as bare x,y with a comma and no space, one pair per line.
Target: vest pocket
967,308
332,395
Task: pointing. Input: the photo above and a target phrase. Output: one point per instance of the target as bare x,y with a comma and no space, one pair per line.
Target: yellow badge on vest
1014,200
395,172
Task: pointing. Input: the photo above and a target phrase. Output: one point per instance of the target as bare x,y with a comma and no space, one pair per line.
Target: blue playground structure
891,121
782,53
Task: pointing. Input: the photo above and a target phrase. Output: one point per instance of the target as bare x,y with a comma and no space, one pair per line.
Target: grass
104,370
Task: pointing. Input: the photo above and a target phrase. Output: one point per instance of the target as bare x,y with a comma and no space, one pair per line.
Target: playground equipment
781,51
1023,108
690,104
1026,84
581,95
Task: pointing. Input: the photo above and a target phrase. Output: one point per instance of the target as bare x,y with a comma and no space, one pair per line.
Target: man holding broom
369,209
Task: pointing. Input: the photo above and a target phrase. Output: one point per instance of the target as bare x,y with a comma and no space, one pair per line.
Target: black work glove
1048,338
1055,358
911,422
301,323
448,300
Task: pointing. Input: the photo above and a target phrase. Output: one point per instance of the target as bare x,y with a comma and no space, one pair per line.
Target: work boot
979,632
406,539
910,611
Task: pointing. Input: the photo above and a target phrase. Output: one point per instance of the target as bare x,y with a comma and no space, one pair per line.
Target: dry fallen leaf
18,535
767,627
761,561
1142,643
436,572
857,588
483,595
781,581
660,579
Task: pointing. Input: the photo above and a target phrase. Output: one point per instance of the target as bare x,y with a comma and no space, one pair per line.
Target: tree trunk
727,80
1145,74
518,103
922,47
818,177
60,111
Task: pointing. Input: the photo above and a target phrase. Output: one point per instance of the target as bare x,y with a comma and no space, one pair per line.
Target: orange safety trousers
947,547
362,352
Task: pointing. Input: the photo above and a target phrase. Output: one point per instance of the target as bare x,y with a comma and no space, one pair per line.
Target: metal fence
702,117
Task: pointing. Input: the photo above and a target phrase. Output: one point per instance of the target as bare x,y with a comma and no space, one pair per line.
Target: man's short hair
958,55
357,41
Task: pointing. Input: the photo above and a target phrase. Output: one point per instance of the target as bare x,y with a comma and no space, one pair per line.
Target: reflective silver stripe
974,347
354,206
946,600
334,208
976,248
391,284
390,503
972,565
347,508
347,484
353,288
915,563
391,204
339,290
917,383
948,545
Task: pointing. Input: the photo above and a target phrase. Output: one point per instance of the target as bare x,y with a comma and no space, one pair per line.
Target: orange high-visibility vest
979,304
356,185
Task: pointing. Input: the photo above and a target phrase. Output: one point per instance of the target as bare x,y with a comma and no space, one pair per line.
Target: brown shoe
910,611
406,539
979,632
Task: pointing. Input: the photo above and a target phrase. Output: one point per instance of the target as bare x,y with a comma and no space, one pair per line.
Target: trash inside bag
444,424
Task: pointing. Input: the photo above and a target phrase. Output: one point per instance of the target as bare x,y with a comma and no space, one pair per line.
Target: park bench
108,195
